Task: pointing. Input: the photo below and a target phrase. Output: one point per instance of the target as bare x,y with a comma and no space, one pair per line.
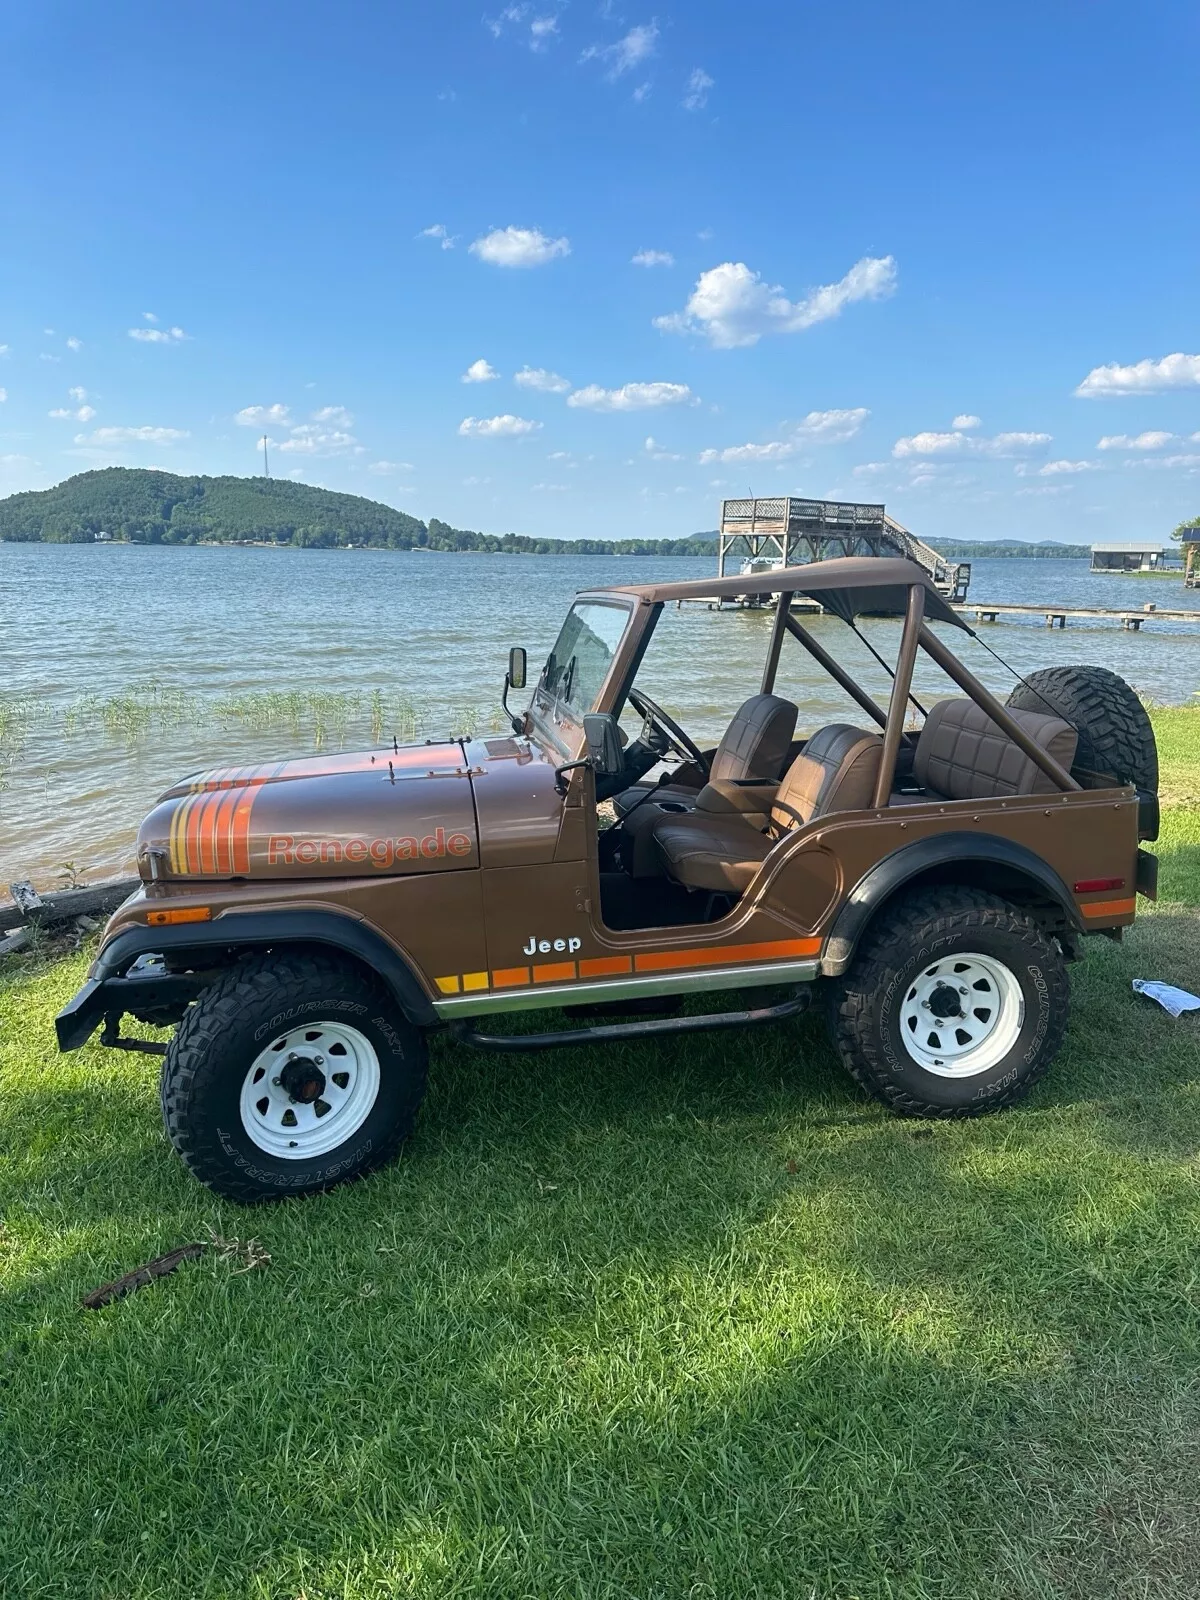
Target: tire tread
931,914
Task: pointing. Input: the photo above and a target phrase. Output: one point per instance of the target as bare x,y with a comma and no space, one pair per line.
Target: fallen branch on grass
141,1276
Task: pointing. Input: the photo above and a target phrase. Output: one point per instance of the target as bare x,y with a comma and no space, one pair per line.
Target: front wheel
956,1004
289,1074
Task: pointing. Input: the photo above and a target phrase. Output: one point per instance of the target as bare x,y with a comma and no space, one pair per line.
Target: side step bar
611,1032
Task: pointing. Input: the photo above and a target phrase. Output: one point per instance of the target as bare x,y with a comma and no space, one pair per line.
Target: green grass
691,1320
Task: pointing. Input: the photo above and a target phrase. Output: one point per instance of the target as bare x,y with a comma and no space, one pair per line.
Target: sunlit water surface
122,667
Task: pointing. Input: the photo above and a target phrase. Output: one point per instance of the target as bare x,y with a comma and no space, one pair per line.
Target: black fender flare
903,865
260,930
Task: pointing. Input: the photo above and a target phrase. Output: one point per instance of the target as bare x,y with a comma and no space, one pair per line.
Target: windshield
576,668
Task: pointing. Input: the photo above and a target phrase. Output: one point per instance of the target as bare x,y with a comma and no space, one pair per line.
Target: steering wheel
654,716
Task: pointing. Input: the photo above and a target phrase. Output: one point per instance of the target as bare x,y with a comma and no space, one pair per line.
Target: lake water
123,667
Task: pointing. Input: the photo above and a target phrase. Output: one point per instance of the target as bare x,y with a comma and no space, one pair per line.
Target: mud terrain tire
907,960
379,1058
1115,735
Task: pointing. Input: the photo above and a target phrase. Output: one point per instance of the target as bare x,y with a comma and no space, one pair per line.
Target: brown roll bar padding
836,671
1000,715
901,685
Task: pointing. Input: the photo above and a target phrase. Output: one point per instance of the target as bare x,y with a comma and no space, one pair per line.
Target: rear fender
980,860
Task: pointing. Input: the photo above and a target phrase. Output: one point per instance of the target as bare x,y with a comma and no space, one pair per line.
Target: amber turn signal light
160,919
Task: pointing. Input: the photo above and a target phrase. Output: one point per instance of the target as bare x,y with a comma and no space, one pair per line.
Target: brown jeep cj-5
308,923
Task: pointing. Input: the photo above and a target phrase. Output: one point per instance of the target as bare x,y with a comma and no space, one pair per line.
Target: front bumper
146,987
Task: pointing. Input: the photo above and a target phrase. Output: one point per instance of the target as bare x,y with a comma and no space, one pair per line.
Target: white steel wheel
962,1015
310,1090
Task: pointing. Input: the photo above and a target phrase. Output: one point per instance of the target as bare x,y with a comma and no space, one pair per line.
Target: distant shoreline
957,553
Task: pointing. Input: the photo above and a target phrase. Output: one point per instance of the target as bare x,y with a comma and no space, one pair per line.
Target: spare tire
1116,739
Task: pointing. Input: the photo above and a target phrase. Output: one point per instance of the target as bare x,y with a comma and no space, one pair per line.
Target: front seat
715,848
754,745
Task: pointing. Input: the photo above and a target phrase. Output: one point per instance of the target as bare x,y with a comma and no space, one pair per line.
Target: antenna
266,462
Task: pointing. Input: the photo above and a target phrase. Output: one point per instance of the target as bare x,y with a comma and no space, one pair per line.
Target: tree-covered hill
149,507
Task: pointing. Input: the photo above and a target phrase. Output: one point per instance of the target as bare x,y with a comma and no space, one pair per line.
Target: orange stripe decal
554,972
605,966
1110,908
725,954
510,977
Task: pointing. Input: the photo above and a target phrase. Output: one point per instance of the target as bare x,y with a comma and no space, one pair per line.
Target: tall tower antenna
266,462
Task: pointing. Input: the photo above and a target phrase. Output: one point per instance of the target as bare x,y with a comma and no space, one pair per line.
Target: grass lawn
691,1319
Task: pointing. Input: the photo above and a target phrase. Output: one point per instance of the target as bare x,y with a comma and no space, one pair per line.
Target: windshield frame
557,720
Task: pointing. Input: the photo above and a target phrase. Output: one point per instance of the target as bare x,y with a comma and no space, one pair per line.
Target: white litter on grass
1174,1000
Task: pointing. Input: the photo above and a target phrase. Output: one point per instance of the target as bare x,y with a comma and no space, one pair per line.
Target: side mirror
603,742
516,668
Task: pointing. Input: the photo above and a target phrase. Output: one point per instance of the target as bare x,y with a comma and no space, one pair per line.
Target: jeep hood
372,813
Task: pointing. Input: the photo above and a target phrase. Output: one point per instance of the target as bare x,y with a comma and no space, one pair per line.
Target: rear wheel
289,1074
956,1004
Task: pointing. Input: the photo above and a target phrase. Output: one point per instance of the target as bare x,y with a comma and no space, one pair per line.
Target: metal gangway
785,531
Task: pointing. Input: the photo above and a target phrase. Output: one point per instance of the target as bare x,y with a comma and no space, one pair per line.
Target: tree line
144,506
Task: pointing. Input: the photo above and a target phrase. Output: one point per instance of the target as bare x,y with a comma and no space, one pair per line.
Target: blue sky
940,255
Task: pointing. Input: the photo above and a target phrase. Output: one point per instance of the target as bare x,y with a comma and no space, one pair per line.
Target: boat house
1134,557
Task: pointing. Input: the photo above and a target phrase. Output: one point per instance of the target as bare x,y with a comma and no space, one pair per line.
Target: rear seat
963,755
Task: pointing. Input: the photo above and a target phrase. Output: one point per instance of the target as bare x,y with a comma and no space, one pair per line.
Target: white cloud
3,396
1166,462
314,440
696,95
964,421
158,335
549,488
1057,469
630,396
656,452
638,45
132,436
540,378
78,393
384,469
480,371
3,350
961,444
148,316
333,416
541,32
1140,441
653,258
733,306
505,427
1143,377
46,356
818,427
518,247
65,414
262,416
439,232
74,344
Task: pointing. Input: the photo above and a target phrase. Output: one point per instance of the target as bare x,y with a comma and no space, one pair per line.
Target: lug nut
320,1060
276,1082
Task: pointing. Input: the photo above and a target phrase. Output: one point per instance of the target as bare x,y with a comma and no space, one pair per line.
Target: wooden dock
984,611
1056,616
